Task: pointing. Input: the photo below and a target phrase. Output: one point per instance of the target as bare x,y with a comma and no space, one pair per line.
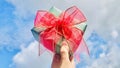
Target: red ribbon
56,28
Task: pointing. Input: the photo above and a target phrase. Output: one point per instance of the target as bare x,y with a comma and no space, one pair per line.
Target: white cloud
114,34
110,60
103,15
28,57
103,54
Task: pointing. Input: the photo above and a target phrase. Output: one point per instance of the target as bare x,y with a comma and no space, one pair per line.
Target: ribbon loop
44,19
73,16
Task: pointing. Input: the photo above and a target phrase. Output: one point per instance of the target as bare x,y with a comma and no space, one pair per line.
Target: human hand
63,60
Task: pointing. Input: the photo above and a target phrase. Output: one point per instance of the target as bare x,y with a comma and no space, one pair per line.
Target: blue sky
18,48
7,27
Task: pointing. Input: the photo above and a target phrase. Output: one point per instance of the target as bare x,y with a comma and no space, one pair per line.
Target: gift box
51,35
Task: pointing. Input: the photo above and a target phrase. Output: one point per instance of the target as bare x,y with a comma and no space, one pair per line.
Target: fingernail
71,57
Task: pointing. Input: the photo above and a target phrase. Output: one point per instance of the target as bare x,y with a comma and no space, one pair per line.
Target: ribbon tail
81,49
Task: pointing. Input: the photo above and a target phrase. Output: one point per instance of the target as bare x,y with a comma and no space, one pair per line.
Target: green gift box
56,12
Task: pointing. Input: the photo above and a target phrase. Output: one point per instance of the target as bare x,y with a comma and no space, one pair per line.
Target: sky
18,48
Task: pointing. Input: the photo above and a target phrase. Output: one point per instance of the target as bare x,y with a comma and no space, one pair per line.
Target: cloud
109,60
16,35
28,57
103,54
14,30
103,15
114,34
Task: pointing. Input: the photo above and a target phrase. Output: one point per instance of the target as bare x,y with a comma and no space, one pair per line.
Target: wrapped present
53,27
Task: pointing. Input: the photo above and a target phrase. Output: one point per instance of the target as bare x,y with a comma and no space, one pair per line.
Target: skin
63,60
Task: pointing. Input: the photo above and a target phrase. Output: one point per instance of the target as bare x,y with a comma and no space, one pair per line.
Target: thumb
64,51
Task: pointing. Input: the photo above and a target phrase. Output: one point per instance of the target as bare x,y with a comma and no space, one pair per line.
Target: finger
56,58
64,51
56,61
72,63
72,60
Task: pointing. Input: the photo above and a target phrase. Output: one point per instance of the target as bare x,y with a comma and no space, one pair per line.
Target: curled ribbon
53,30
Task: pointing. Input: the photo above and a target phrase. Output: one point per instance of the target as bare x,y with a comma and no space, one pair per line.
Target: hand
63,60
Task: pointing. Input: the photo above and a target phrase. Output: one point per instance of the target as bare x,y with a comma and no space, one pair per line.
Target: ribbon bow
53,30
